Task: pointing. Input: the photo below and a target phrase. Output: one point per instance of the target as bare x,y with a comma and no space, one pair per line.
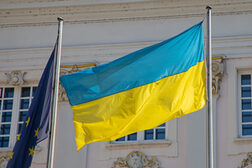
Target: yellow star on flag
36,132
18,137
11,156
31,151
27,121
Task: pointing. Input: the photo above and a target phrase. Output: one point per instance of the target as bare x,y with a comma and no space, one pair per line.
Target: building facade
99,31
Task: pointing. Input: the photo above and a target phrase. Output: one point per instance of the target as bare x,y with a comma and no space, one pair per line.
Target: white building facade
98,31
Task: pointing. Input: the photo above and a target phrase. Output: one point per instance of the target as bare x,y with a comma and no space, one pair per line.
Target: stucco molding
217,74
136,159
15,78
247,162
121,146
115,12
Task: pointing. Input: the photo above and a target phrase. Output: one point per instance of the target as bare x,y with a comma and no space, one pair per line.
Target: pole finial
60,18
208,7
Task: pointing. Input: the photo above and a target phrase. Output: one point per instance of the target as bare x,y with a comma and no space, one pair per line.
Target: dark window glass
162,125
6,116
7,104
34,91
246,91
247,129
0,104
9,92
25,92
5,129
1,92
132,137
245,79
160,133
121,139
22,115
24,104
148,134
4,142
247,117
246,104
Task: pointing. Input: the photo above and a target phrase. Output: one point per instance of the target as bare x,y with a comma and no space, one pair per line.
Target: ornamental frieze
136,159
217,73
15,78
247,162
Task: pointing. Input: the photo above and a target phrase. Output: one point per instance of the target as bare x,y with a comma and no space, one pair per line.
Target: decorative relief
247,163
136,159
217,72
4,158
68,69
15,77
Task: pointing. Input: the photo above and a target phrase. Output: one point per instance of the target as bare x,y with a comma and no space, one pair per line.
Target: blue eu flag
36,126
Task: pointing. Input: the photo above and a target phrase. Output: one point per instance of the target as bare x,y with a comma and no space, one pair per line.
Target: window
158,133
245,107
6,109
14,104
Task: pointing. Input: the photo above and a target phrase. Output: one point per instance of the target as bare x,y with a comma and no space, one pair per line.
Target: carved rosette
247,162
68,69
15,77
217,73
136,159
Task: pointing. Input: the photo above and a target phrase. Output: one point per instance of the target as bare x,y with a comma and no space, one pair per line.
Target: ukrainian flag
138,91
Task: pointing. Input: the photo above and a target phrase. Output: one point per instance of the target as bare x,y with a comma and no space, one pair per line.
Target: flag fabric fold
140,90
36,125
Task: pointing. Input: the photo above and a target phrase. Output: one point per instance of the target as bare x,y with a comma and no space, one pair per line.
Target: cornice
116,12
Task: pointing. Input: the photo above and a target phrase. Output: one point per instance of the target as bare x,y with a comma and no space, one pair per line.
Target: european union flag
36,126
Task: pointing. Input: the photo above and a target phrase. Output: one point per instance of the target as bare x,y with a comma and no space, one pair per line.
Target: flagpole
210,145
55,95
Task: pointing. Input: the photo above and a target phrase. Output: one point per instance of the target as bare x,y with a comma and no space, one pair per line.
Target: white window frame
15,114
140,137
240,123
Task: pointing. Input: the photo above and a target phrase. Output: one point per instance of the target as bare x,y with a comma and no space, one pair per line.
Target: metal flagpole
55,95
210,145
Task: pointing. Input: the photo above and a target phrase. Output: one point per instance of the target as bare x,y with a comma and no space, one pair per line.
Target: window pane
246,91
121,139
148,134
245,79
6,117
34,91
247,129
246,104
22,115
25,92
9,92
4,141
162,125
132,137
1,92
24,104
7,104
160,133
0,104
5,129
247,117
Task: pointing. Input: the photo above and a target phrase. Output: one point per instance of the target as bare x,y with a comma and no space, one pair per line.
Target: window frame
240,111
15,113
140,137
